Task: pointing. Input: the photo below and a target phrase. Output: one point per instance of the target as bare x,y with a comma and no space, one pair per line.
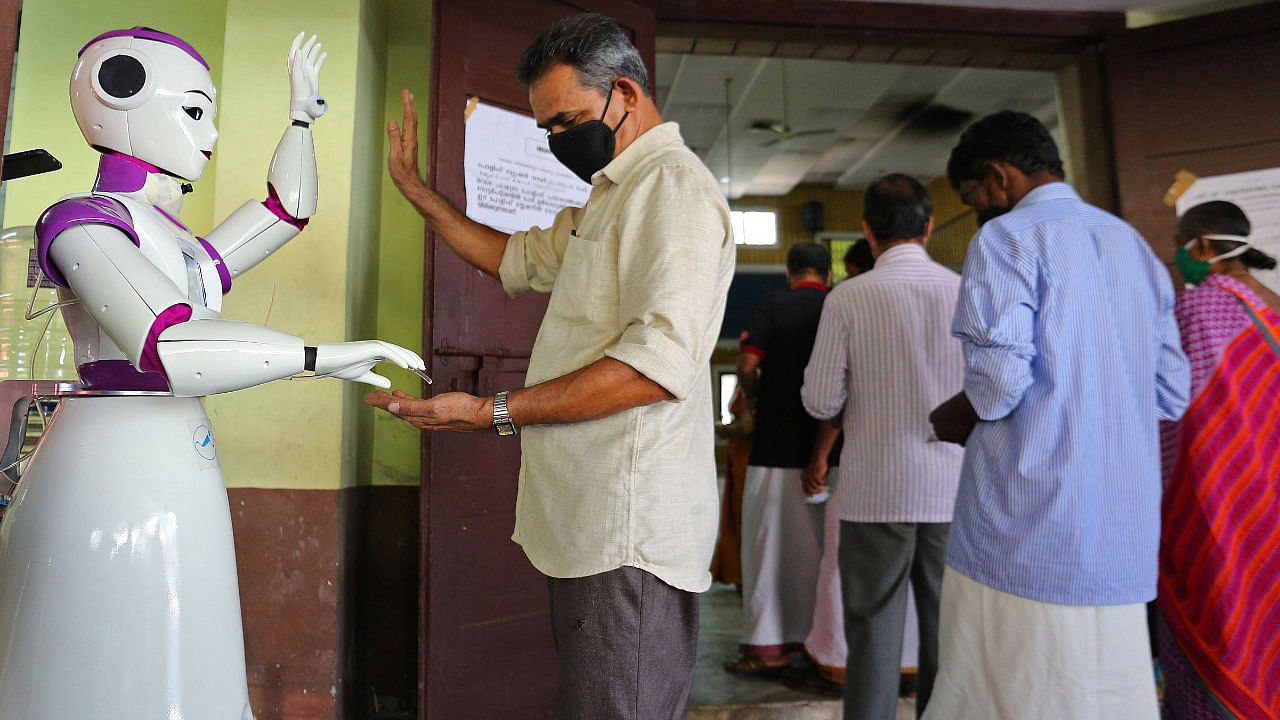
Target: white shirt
885,355
640,275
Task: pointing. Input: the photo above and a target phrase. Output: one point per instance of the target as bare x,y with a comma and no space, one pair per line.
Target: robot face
149,95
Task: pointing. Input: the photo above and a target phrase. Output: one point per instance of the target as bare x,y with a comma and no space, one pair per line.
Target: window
728,386
754,227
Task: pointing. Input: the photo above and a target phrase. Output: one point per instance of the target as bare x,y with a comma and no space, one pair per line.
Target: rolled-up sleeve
825,388
532,257
671,266
995,322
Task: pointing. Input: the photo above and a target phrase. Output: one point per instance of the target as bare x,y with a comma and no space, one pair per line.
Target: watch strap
502,422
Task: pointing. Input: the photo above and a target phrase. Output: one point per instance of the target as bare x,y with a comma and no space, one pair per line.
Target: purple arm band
223,273
92,210
273,204
150,359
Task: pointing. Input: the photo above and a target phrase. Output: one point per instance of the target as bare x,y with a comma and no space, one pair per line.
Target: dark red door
1195,94
485,649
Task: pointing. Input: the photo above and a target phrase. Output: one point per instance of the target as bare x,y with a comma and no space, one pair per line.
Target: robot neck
127,175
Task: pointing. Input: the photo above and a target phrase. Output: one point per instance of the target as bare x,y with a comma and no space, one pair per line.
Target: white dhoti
826,644
781,552
1004,657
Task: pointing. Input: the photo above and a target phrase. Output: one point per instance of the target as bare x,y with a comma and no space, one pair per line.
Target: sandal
757,665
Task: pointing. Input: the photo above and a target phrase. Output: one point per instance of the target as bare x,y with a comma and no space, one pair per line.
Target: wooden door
485,638
1197,94
8,42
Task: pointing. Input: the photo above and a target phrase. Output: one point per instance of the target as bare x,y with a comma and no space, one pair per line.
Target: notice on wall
1257,193
513,181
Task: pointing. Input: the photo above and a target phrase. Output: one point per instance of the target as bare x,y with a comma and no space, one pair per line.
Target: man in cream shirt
617,500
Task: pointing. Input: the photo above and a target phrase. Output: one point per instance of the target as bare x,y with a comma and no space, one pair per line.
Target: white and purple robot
118,591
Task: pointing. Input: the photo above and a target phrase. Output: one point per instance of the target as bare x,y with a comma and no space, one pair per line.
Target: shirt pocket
586,287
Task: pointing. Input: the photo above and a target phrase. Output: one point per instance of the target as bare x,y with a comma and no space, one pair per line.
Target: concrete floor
719,695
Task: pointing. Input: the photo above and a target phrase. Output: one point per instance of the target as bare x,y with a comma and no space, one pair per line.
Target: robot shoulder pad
86,209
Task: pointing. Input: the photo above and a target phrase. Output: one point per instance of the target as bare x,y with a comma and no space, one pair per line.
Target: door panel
485,645
1196,95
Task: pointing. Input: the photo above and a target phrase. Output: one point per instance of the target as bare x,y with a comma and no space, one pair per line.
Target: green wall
395,449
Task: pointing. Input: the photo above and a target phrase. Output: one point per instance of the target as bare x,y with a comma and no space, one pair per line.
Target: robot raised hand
305,104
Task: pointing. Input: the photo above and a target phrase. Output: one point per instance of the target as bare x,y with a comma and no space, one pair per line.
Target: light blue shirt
1072,355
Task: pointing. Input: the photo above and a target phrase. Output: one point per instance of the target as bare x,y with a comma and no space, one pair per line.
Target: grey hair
594,45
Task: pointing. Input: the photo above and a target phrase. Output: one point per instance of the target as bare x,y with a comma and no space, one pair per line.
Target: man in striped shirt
1071,356
884,356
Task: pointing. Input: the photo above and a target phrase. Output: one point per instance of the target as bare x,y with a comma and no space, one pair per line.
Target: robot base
120,597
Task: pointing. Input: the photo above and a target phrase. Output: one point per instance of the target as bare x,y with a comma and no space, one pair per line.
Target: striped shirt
1072,355
885,355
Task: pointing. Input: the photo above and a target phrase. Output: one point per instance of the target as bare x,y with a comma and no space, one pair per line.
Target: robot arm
152,322
139,307
257,229
213,355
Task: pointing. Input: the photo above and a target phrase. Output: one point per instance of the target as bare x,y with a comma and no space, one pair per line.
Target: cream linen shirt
639,275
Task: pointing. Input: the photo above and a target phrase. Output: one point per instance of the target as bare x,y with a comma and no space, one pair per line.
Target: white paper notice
1258,194
513,181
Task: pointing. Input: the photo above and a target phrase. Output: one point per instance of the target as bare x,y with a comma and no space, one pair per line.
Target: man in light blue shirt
1072,356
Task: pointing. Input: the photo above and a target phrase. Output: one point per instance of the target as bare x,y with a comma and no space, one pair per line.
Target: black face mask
587,147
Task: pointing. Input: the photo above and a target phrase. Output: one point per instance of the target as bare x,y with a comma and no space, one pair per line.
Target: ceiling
881,117
888,107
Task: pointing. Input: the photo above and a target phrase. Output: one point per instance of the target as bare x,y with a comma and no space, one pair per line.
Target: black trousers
876,560
627,644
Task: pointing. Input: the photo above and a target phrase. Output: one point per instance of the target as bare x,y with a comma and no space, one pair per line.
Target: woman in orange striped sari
1220,548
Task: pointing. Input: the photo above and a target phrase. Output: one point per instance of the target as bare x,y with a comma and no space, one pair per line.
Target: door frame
1005,38
1071,44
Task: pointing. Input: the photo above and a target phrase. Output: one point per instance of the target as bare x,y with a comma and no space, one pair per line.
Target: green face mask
1195,271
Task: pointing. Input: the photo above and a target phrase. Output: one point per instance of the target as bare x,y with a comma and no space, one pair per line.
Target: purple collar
149,34
122,173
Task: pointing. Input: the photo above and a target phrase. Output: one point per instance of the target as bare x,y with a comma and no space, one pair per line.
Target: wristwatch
502,423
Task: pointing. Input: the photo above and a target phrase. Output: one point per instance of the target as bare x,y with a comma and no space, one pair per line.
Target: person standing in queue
617,490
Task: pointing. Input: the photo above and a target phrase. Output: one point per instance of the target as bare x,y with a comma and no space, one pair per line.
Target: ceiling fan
782,131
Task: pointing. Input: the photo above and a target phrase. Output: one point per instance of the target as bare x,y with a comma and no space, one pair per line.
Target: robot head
147,94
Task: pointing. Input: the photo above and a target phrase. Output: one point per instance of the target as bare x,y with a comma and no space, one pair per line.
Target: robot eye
195,112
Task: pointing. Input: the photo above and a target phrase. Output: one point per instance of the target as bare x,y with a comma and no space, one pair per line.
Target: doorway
795,132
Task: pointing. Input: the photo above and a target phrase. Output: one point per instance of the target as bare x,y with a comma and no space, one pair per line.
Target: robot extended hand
355,360
305,102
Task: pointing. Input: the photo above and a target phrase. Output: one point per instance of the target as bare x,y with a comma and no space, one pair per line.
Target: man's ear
630,92
998,172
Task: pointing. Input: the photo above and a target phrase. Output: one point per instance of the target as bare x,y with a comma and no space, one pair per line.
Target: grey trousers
876,560
627,644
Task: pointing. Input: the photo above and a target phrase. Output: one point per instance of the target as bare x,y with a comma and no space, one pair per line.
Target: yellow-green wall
395,450
356,272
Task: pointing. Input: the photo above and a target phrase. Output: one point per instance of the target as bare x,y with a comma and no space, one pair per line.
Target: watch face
505,428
